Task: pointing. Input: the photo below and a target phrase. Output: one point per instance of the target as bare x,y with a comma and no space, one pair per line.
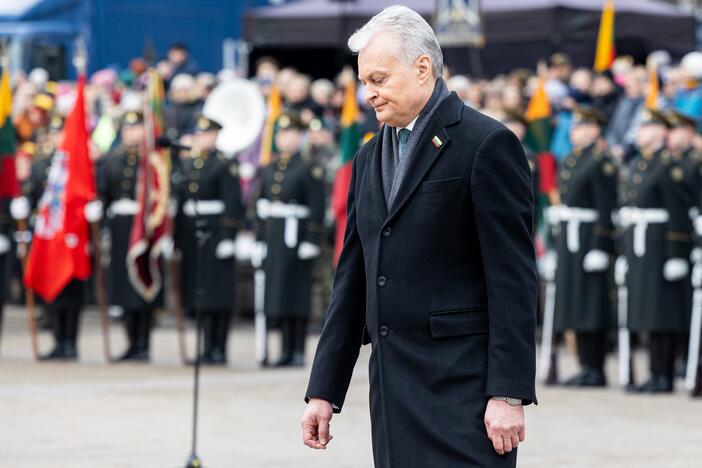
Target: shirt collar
410,126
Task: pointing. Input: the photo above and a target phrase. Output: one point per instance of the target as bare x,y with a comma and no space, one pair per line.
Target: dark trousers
662,353
592,349
216,323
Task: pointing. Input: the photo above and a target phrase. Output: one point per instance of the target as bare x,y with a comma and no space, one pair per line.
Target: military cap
56,123
205,124
132,118
588,115
290,119
560,58
678,119
654,117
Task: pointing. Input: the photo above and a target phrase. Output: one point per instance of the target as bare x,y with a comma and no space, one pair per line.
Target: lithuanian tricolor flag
275,108
350,139
606,52
653,88
9,187
538,139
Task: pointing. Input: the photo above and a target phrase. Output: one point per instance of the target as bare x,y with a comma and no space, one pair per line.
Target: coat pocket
459,322
442,185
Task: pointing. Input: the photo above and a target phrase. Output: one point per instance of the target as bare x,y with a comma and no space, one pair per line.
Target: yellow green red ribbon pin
437,141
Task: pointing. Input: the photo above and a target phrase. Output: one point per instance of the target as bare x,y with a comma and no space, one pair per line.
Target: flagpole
80,61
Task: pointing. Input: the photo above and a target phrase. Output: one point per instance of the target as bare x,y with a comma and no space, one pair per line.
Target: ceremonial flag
538,138
9,187
275,108
606,52
653,88
59,251
350,141
151,223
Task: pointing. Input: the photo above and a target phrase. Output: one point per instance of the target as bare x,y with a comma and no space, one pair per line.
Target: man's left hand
504,425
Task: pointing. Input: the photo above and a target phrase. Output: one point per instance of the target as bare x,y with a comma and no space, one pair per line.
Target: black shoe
70,353
284,361
55,354
128,355
594,378
656,384
218,358
140,355
577,380
298,360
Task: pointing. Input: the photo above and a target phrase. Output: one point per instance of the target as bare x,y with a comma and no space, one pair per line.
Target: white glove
167,248
621,266
19,208
675,269
93,211
548,264
4,244
697,276
698,225
696,255
307,251
595,261
258,254
225,249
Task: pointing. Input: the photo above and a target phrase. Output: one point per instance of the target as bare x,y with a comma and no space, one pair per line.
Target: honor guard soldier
290,212
117,182
588,194
657,244
64,311
210,212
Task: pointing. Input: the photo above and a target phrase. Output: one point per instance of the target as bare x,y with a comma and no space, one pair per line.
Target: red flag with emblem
59,251
151,222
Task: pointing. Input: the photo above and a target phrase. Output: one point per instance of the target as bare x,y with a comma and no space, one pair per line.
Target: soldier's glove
19,208
621,266
225,249
93,211
547,265
596,261
258,254
4,244
167,248
675,269
307,251
697,276
698,225
696,255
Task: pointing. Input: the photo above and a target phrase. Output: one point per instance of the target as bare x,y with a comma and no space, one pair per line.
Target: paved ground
99,416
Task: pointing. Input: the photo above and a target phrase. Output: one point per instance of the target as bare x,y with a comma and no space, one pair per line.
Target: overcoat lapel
432,143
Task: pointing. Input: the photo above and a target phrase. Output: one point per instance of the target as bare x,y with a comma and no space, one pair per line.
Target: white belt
573,216
640,218
123,207
193,208
291,212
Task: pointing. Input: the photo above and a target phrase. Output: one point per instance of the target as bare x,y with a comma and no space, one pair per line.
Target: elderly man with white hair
437,269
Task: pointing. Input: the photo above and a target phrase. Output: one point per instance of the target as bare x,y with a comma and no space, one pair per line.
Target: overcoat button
387,231
382,281
384,331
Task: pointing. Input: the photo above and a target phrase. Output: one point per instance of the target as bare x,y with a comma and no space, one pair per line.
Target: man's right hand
315,424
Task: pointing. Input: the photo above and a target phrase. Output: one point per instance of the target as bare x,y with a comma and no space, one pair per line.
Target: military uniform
290,213
657,230
117,182
64,311
210,212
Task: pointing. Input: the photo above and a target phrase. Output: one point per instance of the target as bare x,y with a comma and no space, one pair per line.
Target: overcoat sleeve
503,205
341,338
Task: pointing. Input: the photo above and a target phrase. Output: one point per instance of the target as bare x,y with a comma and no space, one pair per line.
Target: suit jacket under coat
444,285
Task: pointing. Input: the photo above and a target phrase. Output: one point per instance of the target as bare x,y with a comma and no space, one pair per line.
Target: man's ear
423,68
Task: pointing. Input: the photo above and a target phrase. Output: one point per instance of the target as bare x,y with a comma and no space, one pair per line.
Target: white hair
413,34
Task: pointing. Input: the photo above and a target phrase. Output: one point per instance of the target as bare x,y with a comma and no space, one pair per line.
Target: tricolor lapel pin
437,141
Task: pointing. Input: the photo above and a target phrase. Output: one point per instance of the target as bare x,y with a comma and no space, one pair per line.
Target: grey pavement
91,414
